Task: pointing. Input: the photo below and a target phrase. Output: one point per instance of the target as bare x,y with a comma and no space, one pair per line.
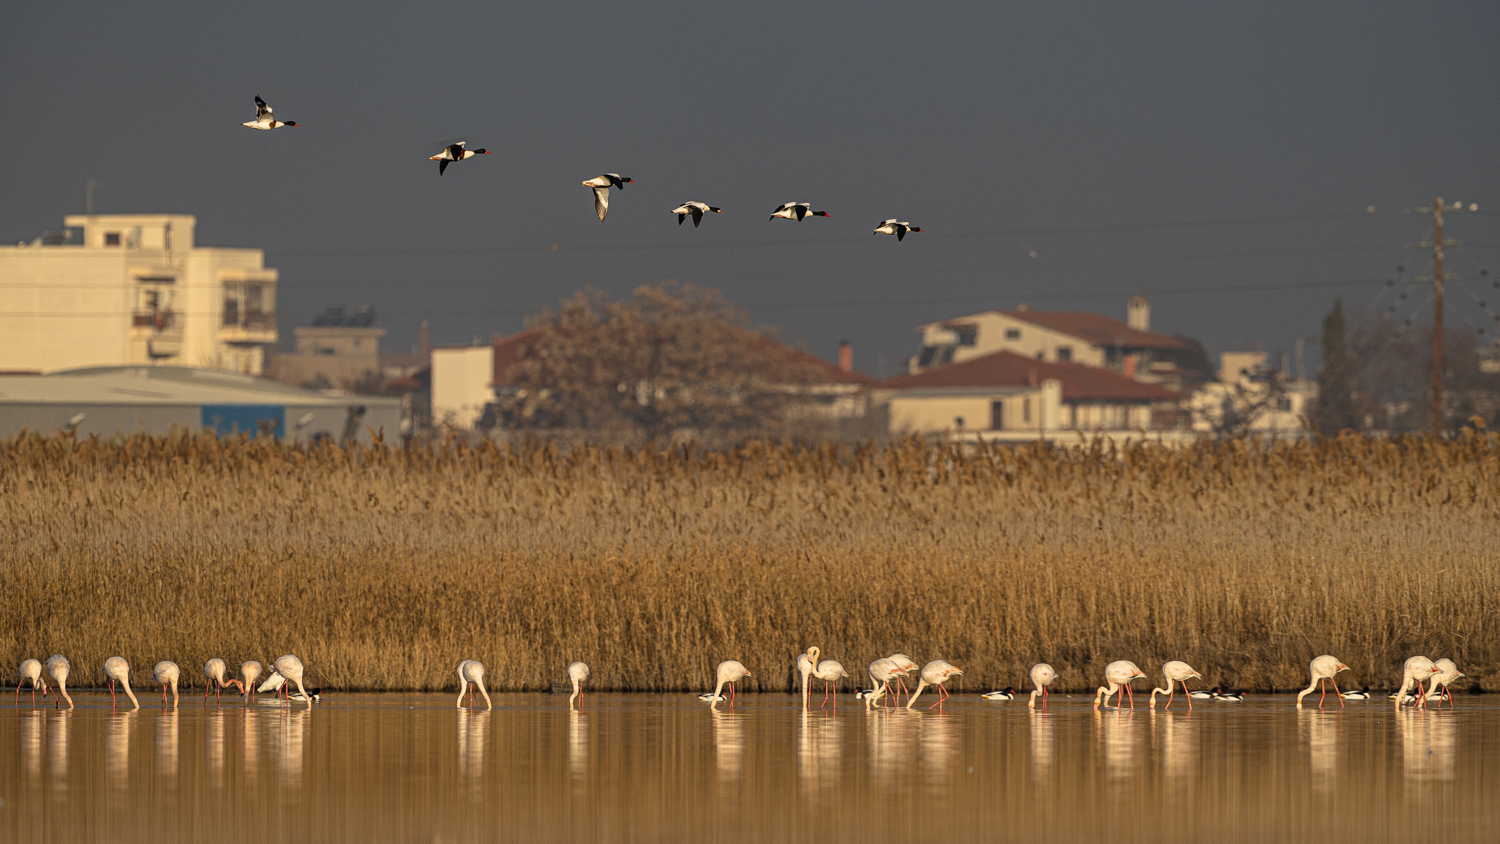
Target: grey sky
966,119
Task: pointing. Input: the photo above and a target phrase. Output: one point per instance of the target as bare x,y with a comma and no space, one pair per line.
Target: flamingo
31,670
1416,670
830,671
290,667
167,673
214,670
578,674
882,672
250,670
907,666
1042,675
471,671
1175,672
117,670
730,671
806,663
1447,673
935,673
1323,669
1118,675
58,666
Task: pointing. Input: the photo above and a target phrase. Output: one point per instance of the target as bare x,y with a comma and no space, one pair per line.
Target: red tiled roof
1005,369
1098,329
508,353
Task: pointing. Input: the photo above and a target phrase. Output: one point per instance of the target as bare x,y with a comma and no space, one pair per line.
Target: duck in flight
265,120
798,211
455,152
601,186
697,209
895,227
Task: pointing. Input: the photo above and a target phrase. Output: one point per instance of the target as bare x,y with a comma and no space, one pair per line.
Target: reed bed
383,566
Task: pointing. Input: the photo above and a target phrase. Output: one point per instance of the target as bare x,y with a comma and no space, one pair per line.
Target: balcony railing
159,320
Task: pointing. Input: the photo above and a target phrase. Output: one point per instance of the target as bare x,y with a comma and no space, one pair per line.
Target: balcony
247,326
157,321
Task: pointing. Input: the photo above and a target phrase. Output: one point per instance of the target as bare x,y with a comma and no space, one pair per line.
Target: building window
111,238
927,356
997,415
945,355
1064,354
1284,404
967,336
1012,333
1026,410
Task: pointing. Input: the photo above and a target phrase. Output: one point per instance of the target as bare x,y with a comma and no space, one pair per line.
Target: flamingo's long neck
575,691
1311,687
921,684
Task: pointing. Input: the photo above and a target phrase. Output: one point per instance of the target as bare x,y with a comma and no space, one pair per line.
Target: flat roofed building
109,401
136,290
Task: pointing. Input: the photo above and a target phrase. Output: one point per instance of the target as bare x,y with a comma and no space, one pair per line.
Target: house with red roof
1130,348
1003,395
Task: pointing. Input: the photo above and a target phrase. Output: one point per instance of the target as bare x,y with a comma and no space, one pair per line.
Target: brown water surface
391,767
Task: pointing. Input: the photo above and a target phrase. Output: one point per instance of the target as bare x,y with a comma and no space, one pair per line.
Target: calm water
665,768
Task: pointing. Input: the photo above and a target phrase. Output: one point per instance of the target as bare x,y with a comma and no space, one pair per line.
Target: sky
1218,159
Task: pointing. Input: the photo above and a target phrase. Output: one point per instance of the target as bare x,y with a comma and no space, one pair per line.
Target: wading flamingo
578,674
31,670
907,666
117,670
1323,669
250,671
882,672
215,670
1042,676
290,667
830,671
806,663
730,672
167,673
1175,672
1418,669
1447,673
1118,675
471,676
58,666
935,673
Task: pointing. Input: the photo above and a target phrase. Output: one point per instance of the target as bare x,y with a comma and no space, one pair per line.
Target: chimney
424,339
1130,364
1138,313
846,356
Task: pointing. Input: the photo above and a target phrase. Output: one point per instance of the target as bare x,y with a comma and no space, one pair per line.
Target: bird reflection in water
578,744
1179,743
57,747
936,740
287,740
250,743
213,746
892,739
1041,746
819,746
31,726
166,744
1118,740
1429,745
117,733
1319,729
729,744
473,735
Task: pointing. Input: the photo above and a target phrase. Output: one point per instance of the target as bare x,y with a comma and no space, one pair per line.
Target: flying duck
697,209
796,211
895,227
601,186
455,152
264,119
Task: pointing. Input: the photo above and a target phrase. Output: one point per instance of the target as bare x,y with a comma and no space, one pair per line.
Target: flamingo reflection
166,744
729,744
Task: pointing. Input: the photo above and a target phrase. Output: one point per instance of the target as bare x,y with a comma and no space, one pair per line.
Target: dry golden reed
383,567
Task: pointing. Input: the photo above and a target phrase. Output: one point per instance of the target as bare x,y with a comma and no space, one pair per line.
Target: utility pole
1437,318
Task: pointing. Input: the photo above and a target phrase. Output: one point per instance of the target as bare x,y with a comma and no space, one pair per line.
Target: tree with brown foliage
670,361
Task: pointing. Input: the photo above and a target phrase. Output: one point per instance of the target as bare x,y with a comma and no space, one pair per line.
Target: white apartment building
136,290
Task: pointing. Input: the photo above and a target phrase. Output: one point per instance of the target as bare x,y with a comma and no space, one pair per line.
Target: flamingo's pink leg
1336,691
